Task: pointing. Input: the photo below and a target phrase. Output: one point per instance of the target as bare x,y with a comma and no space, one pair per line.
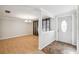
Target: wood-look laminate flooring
19,45
58,47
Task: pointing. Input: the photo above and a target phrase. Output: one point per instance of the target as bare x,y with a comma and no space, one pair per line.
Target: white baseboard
66,42
4,38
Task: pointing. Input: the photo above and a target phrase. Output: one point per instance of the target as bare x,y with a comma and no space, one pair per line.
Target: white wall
78,30
46,37
75,27
12,27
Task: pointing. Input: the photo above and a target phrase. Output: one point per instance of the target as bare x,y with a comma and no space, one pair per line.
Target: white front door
65,29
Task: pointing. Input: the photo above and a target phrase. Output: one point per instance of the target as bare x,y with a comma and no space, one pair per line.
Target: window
64,26
46,24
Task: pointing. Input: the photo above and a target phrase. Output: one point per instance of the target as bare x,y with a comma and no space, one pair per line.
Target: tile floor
57,47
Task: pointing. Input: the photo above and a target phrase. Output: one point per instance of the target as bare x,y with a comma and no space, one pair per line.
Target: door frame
57,30
77,29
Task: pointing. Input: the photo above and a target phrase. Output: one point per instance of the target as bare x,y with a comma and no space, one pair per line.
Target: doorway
35,27
65,29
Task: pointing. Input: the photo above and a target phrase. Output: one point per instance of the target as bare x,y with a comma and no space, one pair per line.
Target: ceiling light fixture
29,21
25,21
25,16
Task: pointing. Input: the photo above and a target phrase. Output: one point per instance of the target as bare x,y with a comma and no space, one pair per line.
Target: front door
65,29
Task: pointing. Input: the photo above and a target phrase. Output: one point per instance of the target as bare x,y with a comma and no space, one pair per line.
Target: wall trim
15,36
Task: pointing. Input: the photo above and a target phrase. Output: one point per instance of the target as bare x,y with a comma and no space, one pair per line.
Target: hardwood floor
24,44
29,45
58,47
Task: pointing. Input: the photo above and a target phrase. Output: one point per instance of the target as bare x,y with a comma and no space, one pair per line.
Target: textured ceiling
24,11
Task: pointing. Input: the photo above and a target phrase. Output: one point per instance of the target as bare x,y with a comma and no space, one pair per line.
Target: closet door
35,27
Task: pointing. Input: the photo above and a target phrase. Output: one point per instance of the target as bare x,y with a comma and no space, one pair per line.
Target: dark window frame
47,22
